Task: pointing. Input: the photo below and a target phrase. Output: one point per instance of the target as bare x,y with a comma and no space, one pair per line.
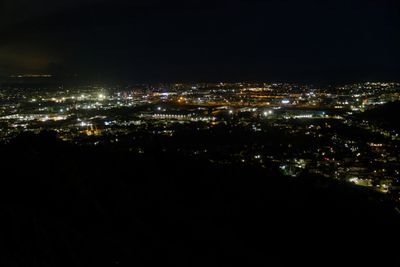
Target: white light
353,180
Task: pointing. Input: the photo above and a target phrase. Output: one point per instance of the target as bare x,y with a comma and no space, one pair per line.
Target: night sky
204,40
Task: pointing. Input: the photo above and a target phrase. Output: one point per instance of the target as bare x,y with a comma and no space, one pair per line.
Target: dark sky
204,40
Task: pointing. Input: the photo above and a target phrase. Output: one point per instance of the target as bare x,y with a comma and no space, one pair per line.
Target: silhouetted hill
69,205
387,115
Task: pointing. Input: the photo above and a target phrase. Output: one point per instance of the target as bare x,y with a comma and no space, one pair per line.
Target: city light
320,117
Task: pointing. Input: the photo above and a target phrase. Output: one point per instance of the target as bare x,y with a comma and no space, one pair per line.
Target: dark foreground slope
64,205
386,116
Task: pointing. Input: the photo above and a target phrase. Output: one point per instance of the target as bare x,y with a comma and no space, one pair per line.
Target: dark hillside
387,116
67,205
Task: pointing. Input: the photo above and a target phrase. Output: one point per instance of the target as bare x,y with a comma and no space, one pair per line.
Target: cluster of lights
267,113
171,116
